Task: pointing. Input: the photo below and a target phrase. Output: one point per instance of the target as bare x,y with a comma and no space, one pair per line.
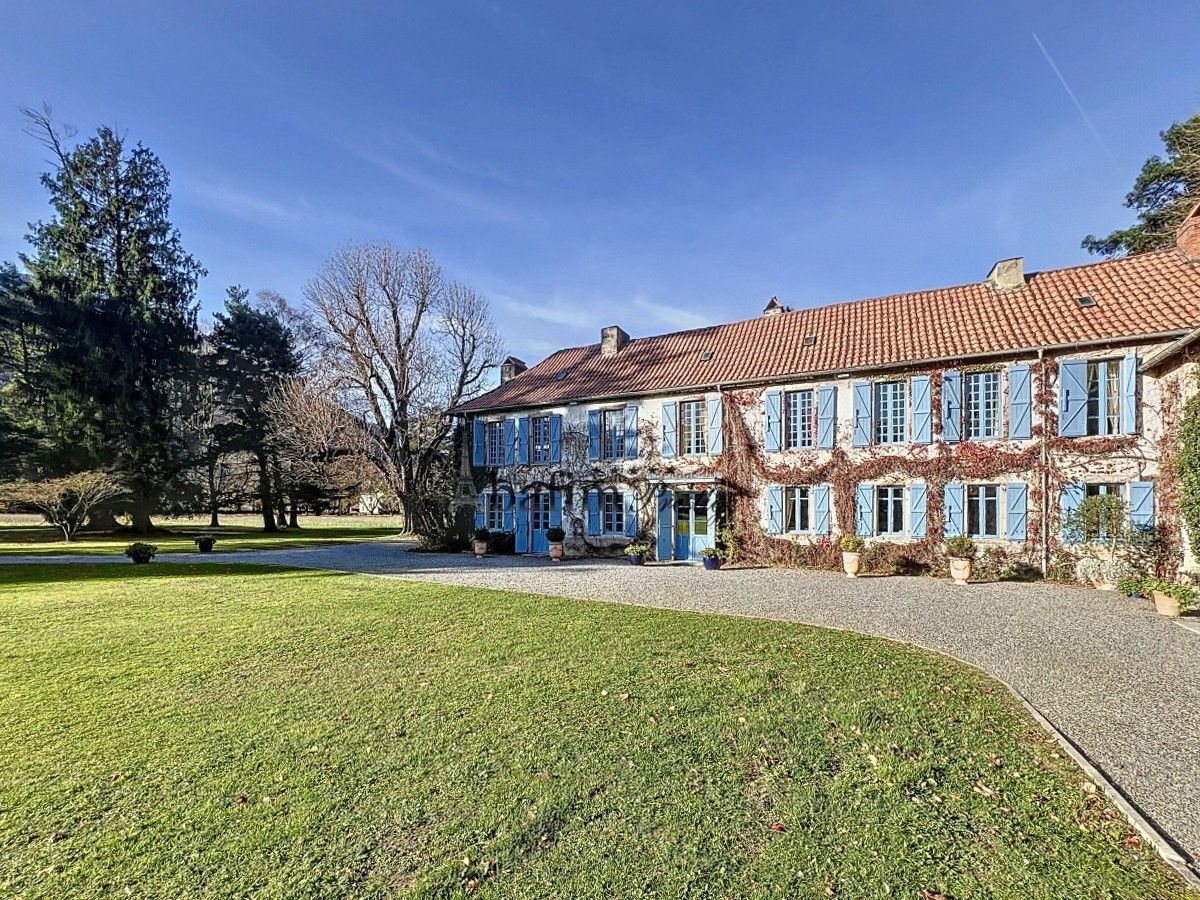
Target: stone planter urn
1166,605
960,570
851,563
556,551
480,549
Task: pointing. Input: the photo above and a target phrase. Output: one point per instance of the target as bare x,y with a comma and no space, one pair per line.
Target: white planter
556,552
851,563
480,549
960,570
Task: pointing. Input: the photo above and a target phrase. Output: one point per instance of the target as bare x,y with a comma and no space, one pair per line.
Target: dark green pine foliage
115,297
1165,191
252,352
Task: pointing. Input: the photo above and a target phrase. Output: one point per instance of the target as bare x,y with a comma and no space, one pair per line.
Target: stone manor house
988,409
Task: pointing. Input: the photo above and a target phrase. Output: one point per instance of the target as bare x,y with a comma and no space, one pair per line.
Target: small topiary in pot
141,552
205,543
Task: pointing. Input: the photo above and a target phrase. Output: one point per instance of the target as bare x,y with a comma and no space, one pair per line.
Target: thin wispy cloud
554,312
1087,120
239,203
675,317
468,199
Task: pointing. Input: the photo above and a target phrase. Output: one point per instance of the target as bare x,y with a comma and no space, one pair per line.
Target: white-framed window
494,442
693,427
612,434
494,510
797,510
1104,396
799,420
612,512
889,509
539,439
891,412
1098,531
981,393
983,510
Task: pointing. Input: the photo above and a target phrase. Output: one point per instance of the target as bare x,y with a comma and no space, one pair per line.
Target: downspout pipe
1045,467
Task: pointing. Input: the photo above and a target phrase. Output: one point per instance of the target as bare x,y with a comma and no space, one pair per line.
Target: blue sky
656,166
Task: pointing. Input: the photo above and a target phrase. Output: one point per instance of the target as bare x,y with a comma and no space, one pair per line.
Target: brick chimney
1007,274
511,368
612,339
1187,238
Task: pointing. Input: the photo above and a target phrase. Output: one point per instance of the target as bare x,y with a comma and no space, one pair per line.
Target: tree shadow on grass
67,573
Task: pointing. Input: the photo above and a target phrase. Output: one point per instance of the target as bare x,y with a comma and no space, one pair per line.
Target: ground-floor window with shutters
494,511
1097,527
889,510
797,510
612,508
983,510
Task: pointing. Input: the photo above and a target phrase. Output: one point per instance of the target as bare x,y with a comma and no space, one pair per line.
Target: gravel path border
1120,681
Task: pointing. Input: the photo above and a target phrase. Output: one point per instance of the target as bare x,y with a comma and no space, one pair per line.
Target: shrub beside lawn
205,731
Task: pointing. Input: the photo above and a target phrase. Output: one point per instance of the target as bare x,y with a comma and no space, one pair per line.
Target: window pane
802,509
799,411
1114,397
991,511
891,409
983,405
789,510
693,427
701,512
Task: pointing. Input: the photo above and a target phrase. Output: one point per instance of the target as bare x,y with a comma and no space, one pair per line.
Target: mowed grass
27,535
234,731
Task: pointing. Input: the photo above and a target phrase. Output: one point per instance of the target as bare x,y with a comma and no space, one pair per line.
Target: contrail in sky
1079,106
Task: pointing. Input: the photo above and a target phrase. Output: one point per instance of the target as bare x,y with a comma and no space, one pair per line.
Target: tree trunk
141,519
102,520
214,520
293,513
265,498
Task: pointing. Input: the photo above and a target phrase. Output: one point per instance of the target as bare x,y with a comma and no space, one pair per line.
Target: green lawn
195,731
178,535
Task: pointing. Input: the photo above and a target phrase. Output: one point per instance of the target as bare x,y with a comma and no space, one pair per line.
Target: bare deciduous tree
67,501
401,348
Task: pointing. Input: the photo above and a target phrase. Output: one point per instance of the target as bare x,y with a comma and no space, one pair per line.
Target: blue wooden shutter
523,441
1020,403
716,429
773,411
1072,397
1016,512
522,542
670,428
594,525
922,411
631,432
664,548
556,509
1069,501
917,506
555,438
477,443
827,416
712,515
774,510
594,435
862,414
864,497
481,510
510,441
631,514
952,407
1141,504
506,504
1129,394
821,509
954,510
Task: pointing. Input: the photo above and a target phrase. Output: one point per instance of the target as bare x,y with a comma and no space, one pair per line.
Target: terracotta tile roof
1148,294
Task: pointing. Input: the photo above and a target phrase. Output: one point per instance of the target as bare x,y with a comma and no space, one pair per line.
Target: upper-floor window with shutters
612,434
539,439
693,427
1104,396
494,443
799,420
891,412
982,394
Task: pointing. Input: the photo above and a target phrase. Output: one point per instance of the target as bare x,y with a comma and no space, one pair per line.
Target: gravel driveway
1120,681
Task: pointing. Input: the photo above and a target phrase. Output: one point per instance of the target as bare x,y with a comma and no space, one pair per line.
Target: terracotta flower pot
960,570
851,563
480,549
556,552
1166,605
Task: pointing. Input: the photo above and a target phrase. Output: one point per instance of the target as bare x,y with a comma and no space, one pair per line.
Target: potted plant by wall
1171,599
961,550
1134,586
141,552
555,536
636,553
205,543
480,543
711,557
852,547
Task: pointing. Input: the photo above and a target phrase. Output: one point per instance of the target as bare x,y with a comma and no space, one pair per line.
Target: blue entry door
695,524
539,521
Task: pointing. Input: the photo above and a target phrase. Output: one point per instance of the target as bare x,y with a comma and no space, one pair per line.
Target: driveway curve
1120,681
